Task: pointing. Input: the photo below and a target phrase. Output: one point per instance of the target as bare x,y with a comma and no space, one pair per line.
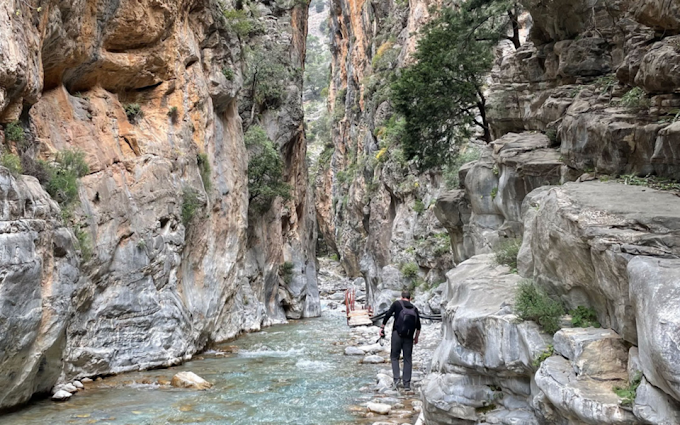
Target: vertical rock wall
156,288
372,206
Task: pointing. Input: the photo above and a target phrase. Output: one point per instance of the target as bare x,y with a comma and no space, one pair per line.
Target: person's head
406,295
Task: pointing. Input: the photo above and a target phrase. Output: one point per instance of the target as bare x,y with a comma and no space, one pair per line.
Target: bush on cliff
506,253
441,96
532,303
265,170
62,181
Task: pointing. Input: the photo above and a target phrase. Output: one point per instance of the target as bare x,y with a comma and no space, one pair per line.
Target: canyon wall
158,257
374,209
584,115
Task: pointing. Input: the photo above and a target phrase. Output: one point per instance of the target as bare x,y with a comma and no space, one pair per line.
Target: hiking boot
395,385
407,387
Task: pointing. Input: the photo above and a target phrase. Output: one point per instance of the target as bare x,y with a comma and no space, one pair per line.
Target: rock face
40,273
150,91
374,209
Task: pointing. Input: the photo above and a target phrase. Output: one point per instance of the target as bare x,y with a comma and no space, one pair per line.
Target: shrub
467,154
532,303
37,168
286,271
62,182
410,270
549,351
228,74
12,163
14,132
583,317
190,205
629,393
240,22
173,113
265,170
418,206
134,112
494,193
84,243
506,253
334,257
635,99
204,169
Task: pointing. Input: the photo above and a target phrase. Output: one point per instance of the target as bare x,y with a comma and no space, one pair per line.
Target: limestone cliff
374,208
597,233
171,256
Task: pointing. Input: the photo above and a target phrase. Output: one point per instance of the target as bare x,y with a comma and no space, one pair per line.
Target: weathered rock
70,388
581,399
655,294
36,290
354,351
61,395
379,408
594,353
373,359
581,237
190,380
653,406
79,385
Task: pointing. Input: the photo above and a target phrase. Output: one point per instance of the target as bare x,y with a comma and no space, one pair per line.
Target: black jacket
395,309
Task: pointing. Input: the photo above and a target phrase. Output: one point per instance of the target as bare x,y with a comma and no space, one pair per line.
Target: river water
286,374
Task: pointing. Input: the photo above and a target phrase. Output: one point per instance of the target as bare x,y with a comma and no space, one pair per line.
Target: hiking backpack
406,321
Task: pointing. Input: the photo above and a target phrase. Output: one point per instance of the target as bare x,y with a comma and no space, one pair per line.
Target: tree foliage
441,96
265,170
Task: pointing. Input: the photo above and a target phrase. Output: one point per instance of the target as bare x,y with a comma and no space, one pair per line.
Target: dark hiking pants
399,344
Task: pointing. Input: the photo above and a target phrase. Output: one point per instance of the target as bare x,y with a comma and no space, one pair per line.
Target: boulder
595,353
579,239
78,385
61,395
654,406
379,408
70,388
655,293
373,359
190,380
578,398
354,351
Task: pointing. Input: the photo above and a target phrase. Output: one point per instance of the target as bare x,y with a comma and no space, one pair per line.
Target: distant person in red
404,334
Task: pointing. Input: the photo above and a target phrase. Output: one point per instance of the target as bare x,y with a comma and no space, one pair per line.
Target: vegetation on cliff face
441,96
265,170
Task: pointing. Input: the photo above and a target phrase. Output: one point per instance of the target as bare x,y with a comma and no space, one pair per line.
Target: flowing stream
286,374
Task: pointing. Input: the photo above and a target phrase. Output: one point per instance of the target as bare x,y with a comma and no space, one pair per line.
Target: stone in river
354,351
79,385
379,408
61,395
70,388
190,380
373,359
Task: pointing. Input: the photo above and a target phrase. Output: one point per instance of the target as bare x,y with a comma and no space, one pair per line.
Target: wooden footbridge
364,316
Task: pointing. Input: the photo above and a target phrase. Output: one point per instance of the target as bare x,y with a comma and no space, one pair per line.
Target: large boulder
655,294
580,236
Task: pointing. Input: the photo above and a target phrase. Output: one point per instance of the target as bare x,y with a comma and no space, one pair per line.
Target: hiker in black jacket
404,334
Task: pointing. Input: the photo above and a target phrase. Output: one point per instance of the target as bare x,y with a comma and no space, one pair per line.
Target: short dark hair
406,294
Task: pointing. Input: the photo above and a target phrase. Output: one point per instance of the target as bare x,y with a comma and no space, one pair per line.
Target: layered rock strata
148,91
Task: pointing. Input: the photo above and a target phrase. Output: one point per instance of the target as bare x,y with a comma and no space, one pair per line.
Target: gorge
169,177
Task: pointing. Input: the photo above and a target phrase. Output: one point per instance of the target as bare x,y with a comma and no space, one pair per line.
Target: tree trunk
513,14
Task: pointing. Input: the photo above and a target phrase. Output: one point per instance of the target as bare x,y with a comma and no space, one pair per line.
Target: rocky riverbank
381,404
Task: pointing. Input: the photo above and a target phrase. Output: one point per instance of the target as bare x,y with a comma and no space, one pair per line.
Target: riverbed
286,374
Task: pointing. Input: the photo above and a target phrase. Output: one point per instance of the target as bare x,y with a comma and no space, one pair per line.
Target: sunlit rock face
156,287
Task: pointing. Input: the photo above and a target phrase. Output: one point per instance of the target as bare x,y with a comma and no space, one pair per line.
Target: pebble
379,408
61,395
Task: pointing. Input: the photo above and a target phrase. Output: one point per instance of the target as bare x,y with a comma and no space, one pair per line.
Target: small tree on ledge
265,170
441,96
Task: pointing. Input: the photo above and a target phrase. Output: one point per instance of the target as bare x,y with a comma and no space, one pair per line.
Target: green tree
441,96
265,170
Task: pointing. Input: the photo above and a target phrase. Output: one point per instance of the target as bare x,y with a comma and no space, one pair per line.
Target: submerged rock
379,408
190,380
